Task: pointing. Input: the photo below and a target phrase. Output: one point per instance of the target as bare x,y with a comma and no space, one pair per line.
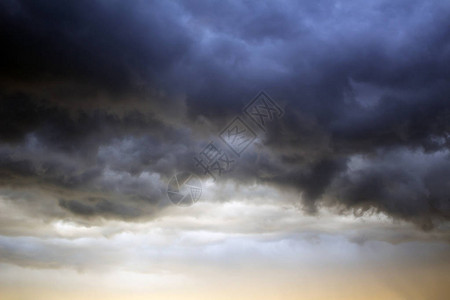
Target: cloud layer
101,103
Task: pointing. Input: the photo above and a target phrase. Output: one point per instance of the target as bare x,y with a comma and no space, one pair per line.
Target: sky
308,143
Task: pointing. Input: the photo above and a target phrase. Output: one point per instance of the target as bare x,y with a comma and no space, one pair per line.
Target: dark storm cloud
108,45
356,80
82,154
409,185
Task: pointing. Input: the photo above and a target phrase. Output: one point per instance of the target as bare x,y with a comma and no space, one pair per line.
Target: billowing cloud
101,103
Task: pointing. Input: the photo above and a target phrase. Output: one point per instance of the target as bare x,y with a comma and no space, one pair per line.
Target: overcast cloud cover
102,102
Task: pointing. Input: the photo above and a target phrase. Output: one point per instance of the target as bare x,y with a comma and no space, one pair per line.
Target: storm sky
102,102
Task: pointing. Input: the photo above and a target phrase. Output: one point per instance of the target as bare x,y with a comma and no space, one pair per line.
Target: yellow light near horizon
268,284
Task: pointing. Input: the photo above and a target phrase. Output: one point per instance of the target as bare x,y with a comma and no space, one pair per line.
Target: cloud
405,184
92,43
107,101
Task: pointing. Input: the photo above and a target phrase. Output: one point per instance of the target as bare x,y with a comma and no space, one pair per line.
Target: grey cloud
32,252
108,45
409,185
99,207
71,70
